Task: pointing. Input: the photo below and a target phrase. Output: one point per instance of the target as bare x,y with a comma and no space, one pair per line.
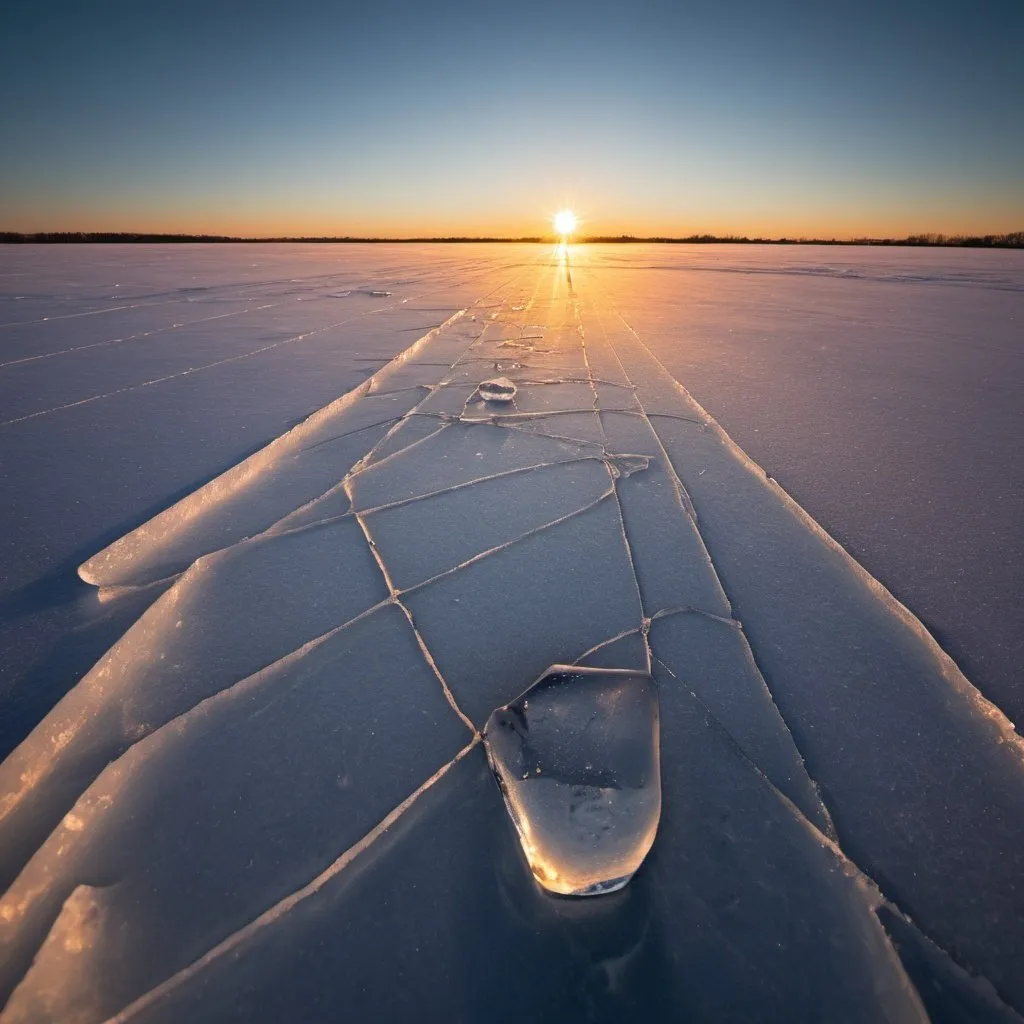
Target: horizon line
1009,240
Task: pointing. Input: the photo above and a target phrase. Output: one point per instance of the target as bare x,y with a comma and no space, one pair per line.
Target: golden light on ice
565,222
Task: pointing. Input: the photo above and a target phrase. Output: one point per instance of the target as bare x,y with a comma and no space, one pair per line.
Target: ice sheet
821,756
716,941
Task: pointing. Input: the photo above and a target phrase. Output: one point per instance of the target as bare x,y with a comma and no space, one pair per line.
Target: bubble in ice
500,389
577,760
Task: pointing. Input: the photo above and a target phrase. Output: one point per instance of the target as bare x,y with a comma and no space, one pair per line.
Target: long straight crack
644,621
389,582
830,836
284,906
192,369
580,442
505,545
395,593
139,335
348,433
994,713
189,371
688,505
829,841
832,843
428,657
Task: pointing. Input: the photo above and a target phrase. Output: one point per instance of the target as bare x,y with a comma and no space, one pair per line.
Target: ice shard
577,760
500,389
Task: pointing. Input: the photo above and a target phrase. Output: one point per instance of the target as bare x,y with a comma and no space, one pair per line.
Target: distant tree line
1011,240
106,236
123,237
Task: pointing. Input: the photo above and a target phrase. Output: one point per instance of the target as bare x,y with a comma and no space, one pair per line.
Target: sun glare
565,222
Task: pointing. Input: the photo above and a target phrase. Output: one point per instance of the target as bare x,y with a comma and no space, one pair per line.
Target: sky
395,119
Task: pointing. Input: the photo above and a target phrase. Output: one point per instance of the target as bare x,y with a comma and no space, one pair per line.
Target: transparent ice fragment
577,760
500,389
627,465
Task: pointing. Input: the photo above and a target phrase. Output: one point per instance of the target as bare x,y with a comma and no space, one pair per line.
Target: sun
565,222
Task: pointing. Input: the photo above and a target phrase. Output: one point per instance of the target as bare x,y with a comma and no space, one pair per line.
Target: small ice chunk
499,389
577,760
627,465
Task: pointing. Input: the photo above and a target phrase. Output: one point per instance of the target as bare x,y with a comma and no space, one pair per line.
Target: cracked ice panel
769,917
626,651
306,334
546,396
710,658
279,774
231,614
460,455
887,725
785,932
849,670
656,513
577,761
406,432
582,427
498,623
295,468
949,993
420,539
614,397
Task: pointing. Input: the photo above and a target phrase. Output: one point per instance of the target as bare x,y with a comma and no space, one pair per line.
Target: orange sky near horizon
659,119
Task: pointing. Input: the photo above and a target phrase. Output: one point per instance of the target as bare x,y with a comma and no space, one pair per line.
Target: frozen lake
829,774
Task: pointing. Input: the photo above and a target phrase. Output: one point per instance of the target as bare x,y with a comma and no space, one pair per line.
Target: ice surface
218,624
267,802
710,658
577,759
882,389
281,786
764,922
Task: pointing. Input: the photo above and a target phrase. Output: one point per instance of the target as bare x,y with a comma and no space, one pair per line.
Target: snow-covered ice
269,798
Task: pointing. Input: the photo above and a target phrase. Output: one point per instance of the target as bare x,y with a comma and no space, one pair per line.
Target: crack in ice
279,910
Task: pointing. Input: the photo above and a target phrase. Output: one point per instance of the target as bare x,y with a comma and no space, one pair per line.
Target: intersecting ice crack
685,499
279,910
616,471
687,504
737,746
684,496
509,543
396,599
395,592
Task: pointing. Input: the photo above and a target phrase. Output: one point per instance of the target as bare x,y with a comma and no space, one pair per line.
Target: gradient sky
450,117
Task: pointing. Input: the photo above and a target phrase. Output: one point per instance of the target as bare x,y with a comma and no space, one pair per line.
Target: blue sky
483,118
